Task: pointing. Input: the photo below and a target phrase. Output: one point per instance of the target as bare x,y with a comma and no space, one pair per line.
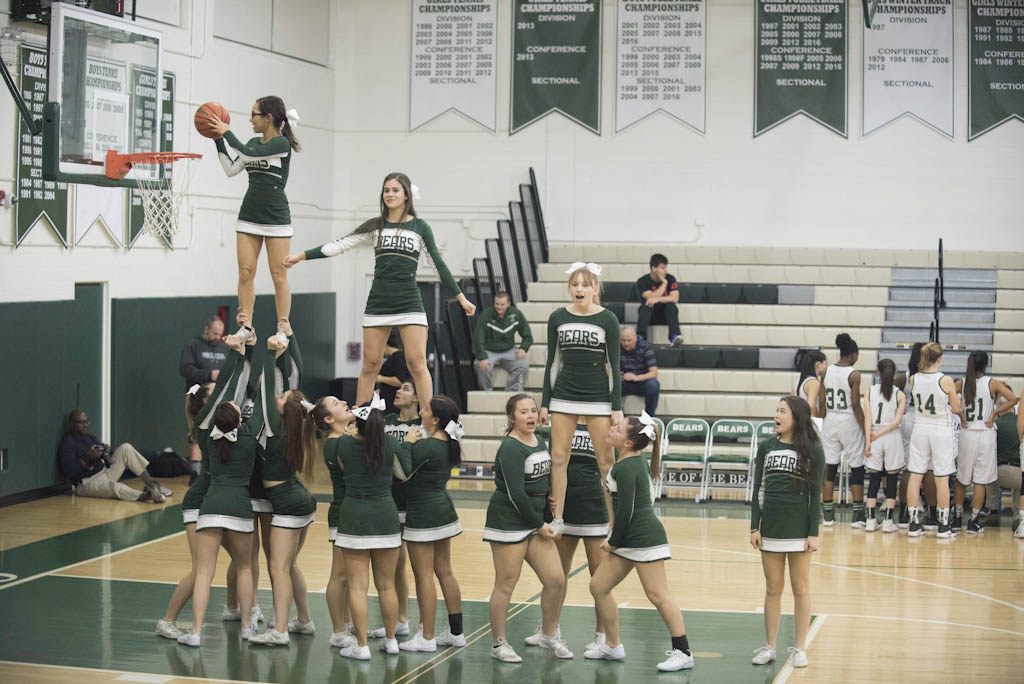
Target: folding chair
687,440
733,433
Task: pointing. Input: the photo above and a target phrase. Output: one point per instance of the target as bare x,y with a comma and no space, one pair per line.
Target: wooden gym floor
83,581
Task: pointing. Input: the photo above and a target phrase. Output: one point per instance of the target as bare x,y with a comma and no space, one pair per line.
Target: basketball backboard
105,93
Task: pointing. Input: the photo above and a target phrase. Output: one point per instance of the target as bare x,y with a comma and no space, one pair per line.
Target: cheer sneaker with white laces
677,660
356,652
419,644
389,646
504,652
271,638
797,657
605,652
296,627
446,638
763,655
168,629
555,645
599,639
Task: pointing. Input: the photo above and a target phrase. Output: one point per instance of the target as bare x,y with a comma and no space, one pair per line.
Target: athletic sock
943,516
933,512
959,508
828,506
975,512
858,507
888,514
871,512
914,514
455,623
681,643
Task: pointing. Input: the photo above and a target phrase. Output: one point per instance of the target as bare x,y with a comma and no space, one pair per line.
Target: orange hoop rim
118,165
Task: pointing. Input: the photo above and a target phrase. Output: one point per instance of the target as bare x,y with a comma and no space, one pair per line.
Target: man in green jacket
494,343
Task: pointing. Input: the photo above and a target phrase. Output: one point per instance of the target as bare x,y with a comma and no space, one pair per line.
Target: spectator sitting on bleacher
494,343
659,299
1008,464
639,368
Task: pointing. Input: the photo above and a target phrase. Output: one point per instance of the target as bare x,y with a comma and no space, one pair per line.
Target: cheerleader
784,515
883,408
368,528
637,540
517,531
933,442
225,515
581,378
398,236
586,518
431,522
842,430
976,459
264,216
812,364
197,408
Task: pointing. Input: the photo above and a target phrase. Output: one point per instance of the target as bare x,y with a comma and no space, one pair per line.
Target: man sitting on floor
94,471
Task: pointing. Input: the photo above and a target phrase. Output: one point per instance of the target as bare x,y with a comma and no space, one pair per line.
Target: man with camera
95,471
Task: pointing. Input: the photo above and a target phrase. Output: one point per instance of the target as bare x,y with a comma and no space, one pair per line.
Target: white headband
231,436
648,426
363,412
590,266
455,430
309,406
193,389
293,118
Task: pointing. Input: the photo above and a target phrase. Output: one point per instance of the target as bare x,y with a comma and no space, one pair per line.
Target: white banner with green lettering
908,65
662,61
556,62
996,36
454,49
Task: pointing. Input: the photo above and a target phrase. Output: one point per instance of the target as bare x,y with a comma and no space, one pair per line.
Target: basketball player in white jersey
812,364
976,448
842,433
933,442
884,406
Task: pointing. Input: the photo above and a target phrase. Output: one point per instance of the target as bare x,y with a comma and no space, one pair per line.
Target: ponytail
806,360
640,442
226,417
886,375
372,432
915,358
273,106
977,362
194,404
930,353
445,410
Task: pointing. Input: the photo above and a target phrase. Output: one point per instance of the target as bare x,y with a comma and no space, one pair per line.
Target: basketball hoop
161,197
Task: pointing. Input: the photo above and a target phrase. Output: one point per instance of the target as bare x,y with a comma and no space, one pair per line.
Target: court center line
787,669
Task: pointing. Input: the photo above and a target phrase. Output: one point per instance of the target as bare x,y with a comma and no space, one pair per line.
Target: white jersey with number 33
837,389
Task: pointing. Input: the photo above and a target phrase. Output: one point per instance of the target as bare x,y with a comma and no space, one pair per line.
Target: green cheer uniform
399,429
585,513
394,296
522,482
265,206
226,504
784,507
368,518
581,376
332,458
637,534
431,512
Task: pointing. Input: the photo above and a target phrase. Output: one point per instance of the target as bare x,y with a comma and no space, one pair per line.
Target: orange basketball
202,118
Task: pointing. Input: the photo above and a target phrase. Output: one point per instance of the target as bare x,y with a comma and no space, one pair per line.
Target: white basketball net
161,199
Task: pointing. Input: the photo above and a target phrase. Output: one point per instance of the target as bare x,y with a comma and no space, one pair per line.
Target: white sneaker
296,627
189,639
504,652
599,640
248,633
446,638
232,614
389,646
889,526
271,638
557,526
763,655
534,639
824,523
555,645
401,629
604,652
356,652
797,657
245,334
157,495
281,338
166,491
255,615
168,629
419,644
343,639
871,525
677,660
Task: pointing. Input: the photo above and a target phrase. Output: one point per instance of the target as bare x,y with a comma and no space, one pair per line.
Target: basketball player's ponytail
886,376
977,362
273,106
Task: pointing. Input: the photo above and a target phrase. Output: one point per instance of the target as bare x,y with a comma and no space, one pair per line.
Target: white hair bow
363,412
309,406
455,430
293,118
193,389
589,265
231,436
648,426
415,191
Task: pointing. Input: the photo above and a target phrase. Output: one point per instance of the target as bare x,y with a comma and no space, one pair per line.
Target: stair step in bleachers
821,295
752,314
739,273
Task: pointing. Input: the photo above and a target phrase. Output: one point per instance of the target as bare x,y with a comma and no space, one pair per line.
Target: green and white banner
556,62
662,62
908,65
996,36
39,201
454,53
145,125
800,63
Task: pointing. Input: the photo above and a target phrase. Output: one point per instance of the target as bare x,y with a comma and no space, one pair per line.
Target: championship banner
996,34
454,61
662,62
800,63
908,65
556,62
38,199
144,126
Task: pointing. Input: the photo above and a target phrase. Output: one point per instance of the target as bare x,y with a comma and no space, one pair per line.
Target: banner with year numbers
800,63
996,36
908,65
556,62
662,62
454,61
